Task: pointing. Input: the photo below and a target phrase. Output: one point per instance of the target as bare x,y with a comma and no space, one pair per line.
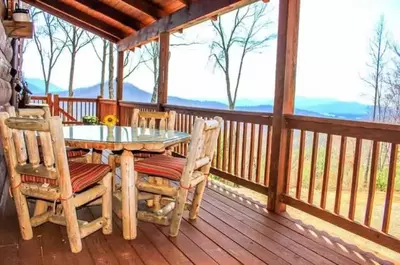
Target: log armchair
178,175
150,120
73,154
67,185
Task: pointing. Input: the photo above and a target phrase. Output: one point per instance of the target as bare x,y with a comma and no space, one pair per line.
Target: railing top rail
234,115
359,129
125,103
77,99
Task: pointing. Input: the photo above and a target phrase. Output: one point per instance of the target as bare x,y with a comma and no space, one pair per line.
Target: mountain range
320,107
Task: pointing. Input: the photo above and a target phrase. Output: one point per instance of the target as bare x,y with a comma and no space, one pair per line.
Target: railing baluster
301,164
327,167
288,169
339,184
390,189
314,157
267,156
252,147
354,182
225,146
237,148
244,147
219,151
230,146
259,152
372,183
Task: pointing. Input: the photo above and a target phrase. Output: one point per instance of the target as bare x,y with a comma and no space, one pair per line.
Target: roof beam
112,13
79,19
195,13
146,7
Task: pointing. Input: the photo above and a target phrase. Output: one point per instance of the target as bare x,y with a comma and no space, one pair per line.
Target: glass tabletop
121,134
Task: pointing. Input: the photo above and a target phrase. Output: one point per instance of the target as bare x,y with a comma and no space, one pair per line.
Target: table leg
129,200
96,156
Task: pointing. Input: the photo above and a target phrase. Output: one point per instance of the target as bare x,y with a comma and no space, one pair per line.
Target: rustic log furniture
42,111
68,185
127,139
190,172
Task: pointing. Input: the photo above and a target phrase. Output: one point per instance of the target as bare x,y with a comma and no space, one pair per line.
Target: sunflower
110,120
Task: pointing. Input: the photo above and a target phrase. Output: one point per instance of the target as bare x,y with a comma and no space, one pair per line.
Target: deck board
230,229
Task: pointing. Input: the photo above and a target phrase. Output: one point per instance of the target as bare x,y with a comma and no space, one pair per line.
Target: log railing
347,160
343,172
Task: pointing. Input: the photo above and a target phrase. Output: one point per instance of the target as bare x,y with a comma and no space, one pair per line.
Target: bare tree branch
248,32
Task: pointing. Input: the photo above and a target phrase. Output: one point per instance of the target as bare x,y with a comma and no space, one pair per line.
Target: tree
375,79
150,56
75,39
131,64
47,45
102,58
111,70
248,33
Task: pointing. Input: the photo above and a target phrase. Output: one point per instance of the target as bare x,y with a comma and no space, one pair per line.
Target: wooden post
49,101
289,12
120,80
162,97
56,105
98,112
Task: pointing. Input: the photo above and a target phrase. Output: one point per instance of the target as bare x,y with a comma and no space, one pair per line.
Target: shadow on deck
231,229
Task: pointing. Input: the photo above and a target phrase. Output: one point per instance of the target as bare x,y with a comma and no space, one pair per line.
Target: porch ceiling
134,22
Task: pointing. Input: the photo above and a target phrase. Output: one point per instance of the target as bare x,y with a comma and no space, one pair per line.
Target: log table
126,139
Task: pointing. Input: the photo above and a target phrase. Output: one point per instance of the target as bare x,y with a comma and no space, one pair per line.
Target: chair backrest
20,141
201,149
37,112
153,120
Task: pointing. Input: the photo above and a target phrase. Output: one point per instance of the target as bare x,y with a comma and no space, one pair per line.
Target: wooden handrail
241,116
358,129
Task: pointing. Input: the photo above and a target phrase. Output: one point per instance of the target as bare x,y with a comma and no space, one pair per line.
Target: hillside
319,107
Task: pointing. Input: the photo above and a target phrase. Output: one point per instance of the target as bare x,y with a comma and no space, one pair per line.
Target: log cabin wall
6,56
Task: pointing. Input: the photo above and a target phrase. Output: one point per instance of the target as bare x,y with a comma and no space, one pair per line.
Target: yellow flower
110,120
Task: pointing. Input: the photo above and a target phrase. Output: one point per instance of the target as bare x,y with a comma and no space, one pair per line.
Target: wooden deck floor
230,230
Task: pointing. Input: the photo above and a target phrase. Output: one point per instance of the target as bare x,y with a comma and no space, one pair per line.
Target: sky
333,52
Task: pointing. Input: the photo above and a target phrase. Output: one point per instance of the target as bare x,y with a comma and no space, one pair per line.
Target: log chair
43,112
170,200
145,120
67,185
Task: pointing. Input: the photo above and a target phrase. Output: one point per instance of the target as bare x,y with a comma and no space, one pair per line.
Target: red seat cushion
141,154
82,175
73,152
162,166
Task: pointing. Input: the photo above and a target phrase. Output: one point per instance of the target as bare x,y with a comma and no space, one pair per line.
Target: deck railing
343,172
364,155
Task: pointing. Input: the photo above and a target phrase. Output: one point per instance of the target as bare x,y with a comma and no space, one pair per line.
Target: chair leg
178,212
73,232
23,214
40,207
198,196
106,205
112,163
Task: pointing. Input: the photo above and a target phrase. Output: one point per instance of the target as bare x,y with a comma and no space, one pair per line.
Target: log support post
120,80
285,80
162,97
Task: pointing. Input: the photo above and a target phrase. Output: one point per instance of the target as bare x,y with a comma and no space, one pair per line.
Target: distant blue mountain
37,86
319,107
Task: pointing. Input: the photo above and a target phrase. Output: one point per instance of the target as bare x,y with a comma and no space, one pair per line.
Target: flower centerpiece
110,121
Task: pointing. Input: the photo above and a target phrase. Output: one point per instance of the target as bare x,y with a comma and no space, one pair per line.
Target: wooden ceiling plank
112,13
78,18
196,13
146,7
